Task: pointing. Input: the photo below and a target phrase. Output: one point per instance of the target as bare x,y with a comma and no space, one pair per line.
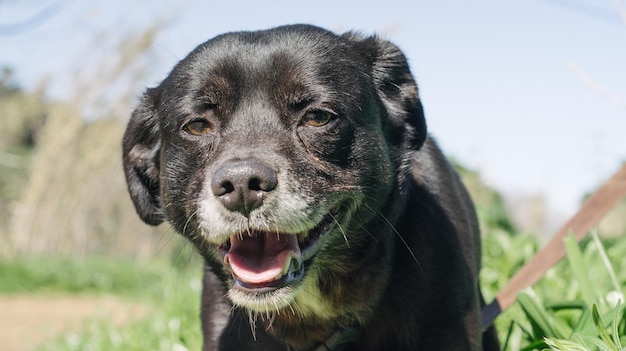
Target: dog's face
280,154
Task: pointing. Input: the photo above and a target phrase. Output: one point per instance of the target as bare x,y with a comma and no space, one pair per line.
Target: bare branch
597,87
621,10
27,24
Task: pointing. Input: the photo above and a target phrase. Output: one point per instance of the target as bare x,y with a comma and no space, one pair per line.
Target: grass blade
540,319
577,265
564,345
602,330
616,335
606,261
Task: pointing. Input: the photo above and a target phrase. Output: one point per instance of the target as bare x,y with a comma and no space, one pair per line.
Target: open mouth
262,261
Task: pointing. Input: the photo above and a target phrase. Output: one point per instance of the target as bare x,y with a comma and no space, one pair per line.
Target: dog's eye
317,118
197,127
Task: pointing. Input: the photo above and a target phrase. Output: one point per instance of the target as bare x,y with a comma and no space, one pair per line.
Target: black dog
298,163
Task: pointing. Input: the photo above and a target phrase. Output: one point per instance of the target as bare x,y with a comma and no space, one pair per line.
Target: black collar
341,339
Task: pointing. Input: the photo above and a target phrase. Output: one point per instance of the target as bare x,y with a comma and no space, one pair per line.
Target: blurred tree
23,115
71,196
490,206
7,86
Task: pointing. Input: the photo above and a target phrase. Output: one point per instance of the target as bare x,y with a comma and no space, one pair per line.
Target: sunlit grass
170,291
576,306
558,312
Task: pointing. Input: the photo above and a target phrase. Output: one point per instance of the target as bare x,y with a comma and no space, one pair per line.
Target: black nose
242,185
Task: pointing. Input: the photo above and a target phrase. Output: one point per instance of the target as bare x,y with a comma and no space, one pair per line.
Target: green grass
574,307
173,324
170,291
91,275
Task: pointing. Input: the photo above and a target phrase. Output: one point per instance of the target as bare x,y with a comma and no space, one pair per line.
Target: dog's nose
242,185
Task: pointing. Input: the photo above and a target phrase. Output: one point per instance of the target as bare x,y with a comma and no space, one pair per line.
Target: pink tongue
261,258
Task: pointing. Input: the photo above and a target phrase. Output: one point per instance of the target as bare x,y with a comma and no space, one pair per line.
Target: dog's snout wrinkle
242,185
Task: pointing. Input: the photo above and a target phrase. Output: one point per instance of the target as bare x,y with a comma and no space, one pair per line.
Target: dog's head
280,154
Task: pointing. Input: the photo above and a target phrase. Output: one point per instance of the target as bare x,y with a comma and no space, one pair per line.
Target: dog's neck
340,339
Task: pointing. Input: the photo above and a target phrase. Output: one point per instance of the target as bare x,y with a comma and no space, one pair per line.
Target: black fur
400,257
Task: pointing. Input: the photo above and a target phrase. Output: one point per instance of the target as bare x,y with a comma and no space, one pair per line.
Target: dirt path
27,321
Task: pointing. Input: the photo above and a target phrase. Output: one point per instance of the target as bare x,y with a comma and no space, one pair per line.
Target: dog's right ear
141,157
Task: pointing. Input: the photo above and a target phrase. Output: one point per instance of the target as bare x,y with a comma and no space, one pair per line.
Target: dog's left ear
396,88
141,157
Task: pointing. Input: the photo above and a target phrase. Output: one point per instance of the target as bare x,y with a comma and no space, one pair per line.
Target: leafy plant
594,321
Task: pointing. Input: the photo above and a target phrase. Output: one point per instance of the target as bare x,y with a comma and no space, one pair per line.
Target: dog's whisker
184,232
270,322
276,308
343,187
252,318
270,315
293,312
345,237
393,228
233,308
164,240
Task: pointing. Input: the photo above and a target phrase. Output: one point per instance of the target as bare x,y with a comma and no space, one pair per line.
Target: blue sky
530,93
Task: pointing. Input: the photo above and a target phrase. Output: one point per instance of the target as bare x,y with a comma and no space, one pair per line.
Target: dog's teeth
294,260
285,268
303,235
297,263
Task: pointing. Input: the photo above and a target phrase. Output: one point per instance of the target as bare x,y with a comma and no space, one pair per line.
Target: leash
591,212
